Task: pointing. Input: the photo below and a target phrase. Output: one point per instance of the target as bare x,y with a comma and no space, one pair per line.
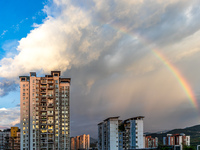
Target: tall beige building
45,112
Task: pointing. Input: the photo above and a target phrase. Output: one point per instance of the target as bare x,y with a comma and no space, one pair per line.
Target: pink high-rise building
44,112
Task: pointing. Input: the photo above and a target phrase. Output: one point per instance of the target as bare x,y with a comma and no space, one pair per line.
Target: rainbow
180,78
182,81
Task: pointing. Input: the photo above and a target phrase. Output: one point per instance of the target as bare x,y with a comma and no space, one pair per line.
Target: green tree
185,147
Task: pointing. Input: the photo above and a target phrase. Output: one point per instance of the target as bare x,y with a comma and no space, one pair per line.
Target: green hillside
193,131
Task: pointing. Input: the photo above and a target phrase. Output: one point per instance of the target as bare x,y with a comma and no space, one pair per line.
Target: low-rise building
150,142
176,139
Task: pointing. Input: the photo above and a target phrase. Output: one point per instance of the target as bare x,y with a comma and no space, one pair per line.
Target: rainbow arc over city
172,68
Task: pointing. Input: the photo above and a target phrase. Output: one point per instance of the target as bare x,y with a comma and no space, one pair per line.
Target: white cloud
3,33
10,117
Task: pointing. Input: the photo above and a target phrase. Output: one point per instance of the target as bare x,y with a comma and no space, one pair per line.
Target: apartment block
10,139
81,142
45,112
176,139
131,133
115,134
150,142
108,134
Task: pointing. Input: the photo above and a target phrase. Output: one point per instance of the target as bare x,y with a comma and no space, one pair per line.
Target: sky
125,58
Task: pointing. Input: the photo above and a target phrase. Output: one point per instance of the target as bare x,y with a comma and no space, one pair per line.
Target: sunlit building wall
81,142
44,112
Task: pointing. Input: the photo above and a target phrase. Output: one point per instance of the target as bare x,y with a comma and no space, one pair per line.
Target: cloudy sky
125,58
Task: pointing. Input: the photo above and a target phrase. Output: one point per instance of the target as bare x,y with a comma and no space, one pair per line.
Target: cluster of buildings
116,134
176,139
45,122
81,142
10,139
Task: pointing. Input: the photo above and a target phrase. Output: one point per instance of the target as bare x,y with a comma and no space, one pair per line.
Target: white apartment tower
108,134
44,112
134,133
115,134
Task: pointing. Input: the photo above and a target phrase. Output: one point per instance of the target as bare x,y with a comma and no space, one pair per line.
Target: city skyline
125,58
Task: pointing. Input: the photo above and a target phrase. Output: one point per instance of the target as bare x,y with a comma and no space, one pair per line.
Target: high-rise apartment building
45,112
133,131
108,134
81,142
115,134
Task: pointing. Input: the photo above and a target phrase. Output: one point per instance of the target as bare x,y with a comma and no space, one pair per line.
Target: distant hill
193,131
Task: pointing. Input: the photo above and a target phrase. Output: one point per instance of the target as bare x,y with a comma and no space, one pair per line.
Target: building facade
108,134
45,112
81,142
176,139
131,133
10,139
150,142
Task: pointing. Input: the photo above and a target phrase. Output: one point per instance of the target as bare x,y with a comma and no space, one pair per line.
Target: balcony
43,87
50,81
50,105
43,91
43,145
50,141
43,82
43,100
43,122
50,87
50,96
50,114
43,96
43,118
43,114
